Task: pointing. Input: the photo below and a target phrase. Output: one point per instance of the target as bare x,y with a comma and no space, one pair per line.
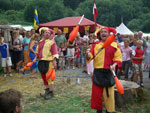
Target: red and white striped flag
94,12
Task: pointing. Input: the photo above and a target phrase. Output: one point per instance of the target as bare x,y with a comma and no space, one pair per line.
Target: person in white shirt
86,36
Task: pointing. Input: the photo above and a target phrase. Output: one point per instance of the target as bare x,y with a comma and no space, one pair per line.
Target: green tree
87,10
47,10
4,21
69,12
58,10
135,24
145,22
72,3
29,13
146,3
13,15
5,4
18,4
113,12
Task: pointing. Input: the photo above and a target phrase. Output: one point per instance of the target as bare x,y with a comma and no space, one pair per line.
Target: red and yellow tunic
47,50
107,56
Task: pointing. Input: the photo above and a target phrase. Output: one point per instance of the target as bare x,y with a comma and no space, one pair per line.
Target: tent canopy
16,26
67,24
27,28
5,27
123,30
146,34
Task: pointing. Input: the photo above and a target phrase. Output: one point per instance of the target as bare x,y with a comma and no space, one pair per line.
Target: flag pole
94,16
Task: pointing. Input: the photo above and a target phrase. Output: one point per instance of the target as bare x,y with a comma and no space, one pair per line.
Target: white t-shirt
96,40
148,48
85,37
122,44
21,38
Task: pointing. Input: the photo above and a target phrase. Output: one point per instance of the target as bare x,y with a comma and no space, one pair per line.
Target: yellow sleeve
118,57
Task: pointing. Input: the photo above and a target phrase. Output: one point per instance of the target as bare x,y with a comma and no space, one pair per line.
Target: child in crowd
70,53
134,44
133,50
121,44
137,63
89,65
77,56
61,50
83,53
6,59
147,55
126,55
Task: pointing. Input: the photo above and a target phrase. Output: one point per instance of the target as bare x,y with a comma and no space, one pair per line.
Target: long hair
2,38
34,36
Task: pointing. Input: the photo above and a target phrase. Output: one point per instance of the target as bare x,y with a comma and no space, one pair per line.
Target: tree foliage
5,4
134,13
72,3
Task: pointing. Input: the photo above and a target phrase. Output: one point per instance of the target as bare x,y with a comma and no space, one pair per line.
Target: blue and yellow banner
36,21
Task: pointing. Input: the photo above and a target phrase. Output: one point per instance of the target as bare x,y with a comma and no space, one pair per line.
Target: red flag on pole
94,12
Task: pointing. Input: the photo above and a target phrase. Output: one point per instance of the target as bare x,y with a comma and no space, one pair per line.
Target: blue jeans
83,60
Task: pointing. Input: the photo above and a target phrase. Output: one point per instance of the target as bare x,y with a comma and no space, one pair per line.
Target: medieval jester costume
103,81
47,54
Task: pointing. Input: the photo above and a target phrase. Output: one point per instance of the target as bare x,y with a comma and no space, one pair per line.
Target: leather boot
99,111
49,96
46,92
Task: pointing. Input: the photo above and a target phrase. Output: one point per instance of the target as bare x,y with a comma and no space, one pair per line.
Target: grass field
69,98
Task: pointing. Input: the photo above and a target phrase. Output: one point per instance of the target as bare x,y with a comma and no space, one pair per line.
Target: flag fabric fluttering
95,13
36,21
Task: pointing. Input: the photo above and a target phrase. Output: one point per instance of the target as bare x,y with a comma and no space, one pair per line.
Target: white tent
27,28
123,30
146,34
16,26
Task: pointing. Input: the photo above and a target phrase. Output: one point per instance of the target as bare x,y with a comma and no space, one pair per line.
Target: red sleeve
53,33
54,50
119,64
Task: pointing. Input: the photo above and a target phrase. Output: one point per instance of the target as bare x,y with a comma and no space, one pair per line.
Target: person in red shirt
47,54
102,79
137,57
77,56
